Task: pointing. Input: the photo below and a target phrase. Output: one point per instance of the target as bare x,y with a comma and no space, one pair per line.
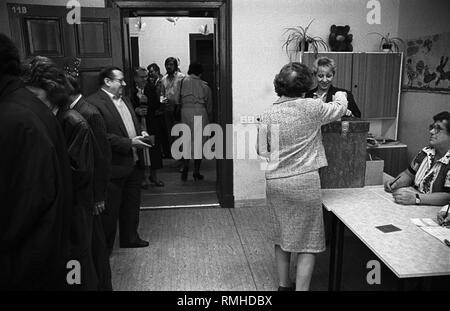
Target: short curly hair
293,80
42,72
324,62
443,116
155,67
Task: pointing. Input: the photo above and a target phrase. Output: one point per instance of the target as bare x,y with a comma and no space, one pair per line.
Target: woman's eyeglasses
435,127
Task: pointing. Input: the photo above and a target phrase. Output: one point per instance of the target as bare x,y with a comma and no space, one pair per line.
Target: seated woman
324,70
429,172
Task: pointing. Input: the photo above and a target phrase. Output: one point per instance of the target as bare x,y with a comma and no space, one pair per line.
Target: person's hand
151,139
143,99
163,100
339,95
443,221
388,187
404,196
141,111
348,113
99,207
138,143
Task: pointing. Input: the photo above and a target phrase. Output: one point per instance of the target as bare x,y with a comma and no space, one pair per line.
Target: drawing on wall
427,66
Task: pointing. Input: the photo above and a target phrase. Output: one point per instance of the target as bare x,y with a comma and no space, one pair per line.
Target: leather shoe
134,244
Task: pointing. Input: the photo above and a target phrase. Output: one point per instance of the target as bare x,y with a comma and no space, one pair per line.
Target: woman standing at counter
324,70
293,182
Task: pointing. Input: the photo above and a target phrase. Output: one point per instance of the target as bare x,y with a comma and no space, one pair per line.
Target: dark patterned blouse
431,174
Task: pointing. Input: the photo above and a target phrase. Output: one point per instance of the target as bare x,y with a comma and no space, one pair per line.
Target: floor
178,193
217,249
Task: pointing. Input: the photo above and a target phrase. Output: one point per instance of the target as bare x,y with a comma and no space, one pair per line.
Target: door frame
221,10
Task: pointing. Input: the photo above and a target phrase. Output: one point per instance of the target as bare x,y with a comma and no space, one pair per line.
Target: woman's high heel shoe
197,176
184,174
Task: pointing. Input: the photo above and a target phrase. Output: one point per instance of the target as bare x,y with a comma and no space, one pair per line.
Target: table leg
336,254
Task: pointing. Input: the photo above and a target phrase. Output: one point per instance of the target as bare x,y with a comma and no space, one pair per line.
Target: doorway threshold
143,208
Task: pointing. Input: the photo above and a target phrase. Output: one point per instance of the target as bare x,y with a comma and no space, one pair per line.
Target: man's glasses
121,81
435,127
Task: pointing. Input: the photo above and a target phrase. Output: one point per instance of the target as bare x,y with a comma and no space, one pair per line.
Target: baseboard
250,203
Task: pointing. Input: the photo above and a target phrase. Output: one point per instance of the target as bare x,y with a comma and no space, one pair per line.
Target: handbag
177,109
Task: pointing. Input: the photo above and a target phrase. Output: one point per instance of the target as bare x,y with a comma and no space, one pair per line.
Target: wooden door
376,83
44,30
344,64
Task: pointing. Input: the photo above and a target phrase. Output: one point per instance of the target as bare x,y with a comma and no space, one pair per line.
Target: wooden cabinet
373,78
376,84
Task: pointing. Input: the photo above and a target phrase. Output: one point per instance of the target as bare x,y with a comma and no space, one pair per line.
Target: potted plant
389,44
301,41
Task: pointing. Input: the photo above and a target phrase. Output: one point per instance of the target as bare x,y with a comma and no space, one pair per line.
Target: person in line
153,91
170,93
324,70
140,98
292,179
123,198
35,186
195,101
101,168
49,84
427,179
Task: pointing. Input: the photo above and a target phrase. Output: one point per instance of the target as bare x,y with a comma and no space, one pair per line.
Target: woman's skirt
296,216
196,117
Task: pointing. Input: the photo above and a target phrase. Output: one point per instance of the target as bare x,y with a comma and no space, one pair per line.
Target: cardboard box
374,172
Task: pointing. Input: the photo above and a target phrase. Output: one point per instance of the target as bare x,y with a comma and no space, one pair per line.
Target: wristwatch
418,201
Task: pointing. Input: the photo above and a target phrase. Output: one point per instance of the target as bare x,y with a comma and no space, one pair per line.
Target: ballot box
345,148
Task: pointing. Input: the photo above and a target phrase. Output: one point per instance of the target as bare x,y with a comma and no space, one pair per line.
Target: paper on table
440,233
424,222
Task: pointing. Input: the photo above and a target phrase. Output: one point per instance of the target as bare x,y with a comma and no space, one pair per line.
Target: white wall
257,37
161,39
420,18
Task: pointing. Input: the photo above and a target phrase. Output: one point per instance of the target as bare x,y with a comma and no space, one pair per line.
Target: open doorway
188,39
102,39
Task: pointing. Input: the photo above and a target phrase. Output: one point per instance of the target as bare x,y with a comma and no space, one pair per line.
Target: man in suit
35,186
127,141
101,170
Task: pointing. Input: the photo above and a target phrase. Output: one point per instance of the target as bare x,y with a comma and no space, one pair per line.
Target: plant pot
306,46
387,47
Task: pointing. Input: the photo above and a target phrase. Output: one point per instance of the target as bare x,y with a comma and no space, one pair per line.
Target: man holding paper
127,141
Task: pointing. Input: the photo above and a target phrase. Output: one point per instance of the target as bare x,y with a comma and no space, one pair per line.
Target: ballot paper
431,227
440,233
424,222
